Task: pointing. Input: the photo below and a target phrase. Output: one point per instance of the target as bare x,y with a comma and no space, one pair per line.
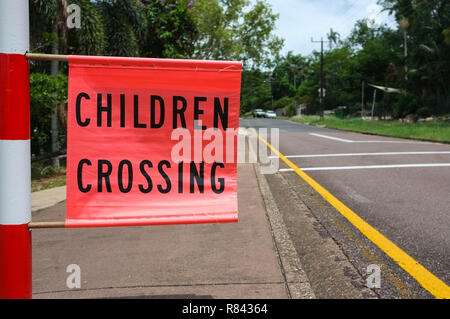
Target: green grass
48,182
45,177
434,130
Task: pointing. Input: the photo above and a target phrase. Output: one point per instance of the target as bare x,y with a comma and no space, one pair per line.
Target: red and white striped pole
15,173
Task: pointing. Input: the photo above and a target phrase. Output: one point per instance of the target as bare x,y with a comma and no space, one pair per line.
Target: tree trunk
54,69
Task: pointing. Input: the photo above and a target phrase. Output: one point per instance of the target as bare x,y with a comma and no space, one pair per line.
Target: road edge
297,282
374,134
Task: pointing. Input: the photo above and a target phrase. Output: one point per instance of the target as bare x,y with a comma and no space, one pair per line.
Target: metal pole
15,159
321,78
46,57
321,75
61,224
54,70
406,54
373,103
271,93
362,100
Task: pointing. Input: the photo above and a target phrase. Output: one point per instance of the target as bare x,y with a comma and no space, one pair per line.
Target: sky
301,20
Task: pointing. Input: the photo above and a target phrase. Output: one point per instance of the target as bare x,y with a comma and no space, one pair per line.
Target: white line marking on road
330,168
371,141
364,154
392,142
332,138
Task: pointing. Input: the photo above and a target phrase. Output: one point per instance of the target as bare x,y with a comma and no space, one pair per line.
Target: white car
258,113
270,115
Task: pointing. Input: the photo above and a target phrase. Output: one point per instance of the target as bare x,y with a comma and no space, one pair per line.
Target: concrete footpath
249,259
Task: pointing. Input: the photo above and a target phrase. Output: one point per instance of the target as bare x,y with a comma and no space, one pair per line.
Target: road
399,187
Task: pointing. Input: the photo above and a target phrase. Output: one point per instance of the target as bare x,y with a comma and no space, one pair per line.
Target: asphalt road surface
400,187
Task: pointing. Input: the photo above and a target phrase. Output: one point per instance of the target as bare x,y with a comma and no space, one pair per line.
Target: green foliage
285,101
376,55
255,90
423,112
170,30
232,29
38,170
123,24
91,38
151,28
44,176
46,92
428,60
207,29
289,70
290,110
405,105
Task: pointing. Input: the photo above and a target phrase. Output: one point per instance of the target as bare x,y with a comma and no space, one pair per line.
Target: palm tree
333,37
49,31
52,15
124,22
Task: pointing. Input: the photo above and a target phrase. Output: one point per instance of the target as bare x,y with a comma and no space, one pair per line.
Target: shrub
423,112
405,104
290,110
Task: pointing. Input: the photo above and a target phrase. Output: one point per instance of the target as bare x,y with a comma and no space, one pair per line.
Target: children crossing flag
151,141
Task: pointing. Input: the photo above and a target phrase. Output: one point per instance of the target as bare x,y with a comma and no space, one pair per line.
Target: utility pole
362,100
54,70
294,71
321,76
404,24
269,74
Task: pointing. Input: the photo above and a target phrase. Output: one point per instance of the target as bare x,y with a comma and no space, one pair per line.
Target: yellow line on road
425,278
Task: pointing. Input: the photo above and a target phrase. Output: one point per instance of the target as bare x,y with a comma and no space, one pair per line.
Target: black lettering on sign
222,113
122,110
78,109
80,174
104,175
180,177
213,179
153,100
179,112
120,176
166,178
101,109
144,173
197,177
136,113
197,111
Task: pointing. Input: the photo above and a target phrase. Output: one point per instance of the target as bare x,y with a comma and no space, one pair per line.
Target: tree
170,29
91,38
333,38
428,56
124,26
108,27
46,92
255,90
231,29
54,14
286,68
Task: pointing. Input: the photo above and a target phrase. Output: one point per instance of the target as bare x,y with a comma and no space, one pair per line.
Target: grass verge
438,131
45,177
48,182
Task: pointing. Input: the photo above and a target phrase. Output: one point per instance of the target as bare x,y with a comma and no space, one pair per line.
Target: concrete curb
296,280
47,198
